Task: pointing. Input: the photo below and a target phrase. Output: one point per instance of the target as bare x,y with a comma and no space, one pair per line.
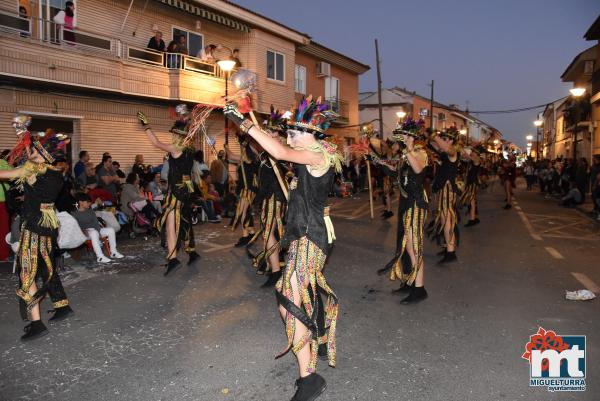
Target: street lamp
401,114
226,66
465,132
577,92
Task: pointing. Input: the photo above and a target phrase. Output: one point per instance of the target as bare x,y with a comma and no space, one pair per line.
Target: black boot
417,294
61,313
243,241
470,223
442,252
272,279
34,330
309,388
388,214
476,220
193,257
172,264
322,352
507,206
449,257
402,289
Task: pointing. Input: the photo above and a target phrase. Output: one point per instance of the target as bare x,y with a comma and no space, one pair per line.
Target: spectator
207,201
65,202
181,45
156,42
117,169
206,54
100,164
23,14
595,182
132,194
107,178
79,168
66,20
138,166
198,168
236,57
4,217
582,178
87,180
90,225
529,171
156,192
216,199
219,173
573,197
173,59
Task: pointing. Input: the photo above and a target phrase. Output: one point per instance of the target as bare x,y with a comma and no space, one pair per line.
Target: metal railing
340,107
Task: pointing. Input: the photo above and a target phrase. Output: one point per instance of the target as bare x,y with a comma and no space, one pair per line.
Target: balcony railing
340,107
49,32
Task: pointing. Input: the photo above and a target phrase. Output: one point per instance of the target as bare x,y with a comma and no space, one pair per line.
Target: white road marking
553,252
587,282
528,226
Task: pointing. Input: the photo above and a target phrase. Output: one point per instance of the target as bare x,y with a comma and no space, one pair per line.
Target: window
193,41
332,89
275,66
300,81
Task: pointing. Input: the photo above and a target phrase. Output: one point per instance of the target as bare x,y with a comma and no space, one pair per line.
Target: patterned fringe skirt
445,211
249,196
469,194
411,221
307,260
183,222
271,220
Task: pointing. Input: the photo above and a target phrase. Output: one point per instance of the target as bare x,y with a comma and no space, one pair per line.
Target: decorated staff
176,219
42,183
308,237
362,148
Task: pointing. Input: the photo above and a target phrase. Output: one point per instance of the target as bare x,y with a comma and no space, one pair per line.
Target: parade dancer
469,195
445,223
412,213
175,221
41,184
246,189
309,234
273,208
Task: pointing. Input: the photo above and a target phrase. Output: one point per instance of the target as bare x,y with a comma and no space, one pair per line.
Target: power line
515,110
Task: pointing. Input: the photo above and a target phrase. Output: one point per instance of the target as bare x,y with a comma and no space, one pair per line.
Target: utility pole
431,108
379,90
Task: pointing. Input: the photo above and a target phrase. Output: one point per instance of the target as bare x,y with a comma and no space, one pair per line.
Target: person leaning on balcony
206,54
236,57
172,58
66,19
182,46
156,42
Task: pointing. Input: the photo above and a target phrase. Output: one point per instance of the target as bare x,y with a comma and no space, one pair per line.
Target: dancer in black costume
469,196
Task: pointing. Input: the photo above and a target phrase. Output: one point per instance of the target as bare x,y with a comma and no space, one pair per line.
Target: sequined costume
273,209
308,236
412,213
247,186
446,190
471,184
178,200
39,230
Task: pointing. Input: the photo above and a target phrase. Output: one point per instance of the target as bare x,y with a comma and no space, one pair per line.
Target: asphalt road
209,333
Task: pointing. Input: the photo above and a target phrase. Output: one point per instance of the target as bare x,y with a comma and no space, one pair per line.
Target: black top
472,173
178,168
308,198
411,185
156,46
445,172
45,190
268,185
250,172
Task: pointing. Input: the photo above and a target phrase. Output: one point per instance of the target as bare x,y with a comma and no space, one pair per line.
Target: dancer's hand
143,119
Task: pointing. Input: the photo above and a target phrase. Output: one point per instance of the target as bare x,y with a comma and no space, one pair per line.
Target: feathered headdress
409,127
311,116
48,144
277,120
450,133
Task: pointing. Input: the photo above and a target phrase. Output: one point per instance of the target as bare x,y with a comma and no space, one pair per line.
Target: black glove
232,113
143,119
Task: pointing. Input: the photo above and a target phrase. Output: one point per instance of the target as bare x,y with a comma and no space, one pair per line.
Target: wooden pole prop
370,187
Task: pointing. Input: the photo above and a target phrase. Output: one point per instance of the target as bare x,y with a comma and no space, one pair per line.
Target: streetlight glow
529,137
577,92
538,123
401,114
226,65
463,132
496,142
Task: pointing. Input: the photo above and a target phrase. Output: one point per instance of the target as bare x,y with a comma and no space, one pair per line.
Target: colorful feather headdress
410,127
277,120
49,145
311,116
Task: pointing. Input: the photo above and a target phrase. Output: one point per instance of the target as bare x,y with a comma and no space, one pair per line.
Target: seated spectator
65,202
107,178
117,169
87,178
132,194
198,168
90,225
573,197
216,199
156,42
156,192
206,53
100,164
138,166
79,168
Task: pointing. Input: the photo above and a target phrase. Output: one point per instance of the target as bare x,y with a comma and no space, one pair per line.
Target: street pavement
209,333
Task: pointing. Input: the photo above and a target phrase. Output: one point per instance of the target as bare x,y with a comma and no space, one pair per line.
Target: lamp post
401,114
226,66
538,124
576,93
465,132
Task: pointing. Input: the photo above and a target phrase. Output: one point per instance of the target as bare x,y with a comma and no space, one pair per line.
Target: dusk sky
494,54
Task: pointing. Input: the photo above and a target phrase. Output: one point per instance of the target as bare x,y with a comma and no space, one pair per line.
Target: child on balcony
89,224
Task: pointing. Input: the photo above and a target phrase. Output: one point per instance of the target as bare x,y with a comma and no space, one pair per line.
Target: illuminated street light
226,65
529,137
496,142
538,123
401,114
463,132
577,92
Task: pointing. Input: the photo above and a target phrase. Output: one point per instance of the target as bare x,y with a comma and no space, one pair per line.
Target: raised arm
271,145
7,175
167,147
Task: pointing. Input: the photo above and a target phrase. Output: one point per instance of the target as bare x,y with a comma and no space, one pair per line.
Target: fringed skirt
411,222
183,222
469,195
271,221
446,211
307,260
248,195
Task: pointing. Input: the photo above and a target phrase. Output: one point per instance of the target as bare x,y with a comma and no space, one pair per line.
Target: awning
207,14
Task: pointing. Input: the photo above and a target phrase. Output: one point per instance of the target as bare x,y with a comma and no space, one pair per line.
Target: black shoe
172,264
193,257
322,352
470,223
507,206
61,313
272,279
449,257
477,220
402,289
442,252
417,294
387,214
309,388
243,241
33,330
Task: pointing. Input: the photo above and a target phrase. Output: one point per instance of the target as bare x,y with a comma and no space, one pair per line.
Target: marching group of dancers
294,216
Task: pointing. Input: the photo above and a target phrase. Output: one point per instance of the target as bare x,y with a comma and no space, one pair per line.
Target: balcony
41,50
341,108
596,86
